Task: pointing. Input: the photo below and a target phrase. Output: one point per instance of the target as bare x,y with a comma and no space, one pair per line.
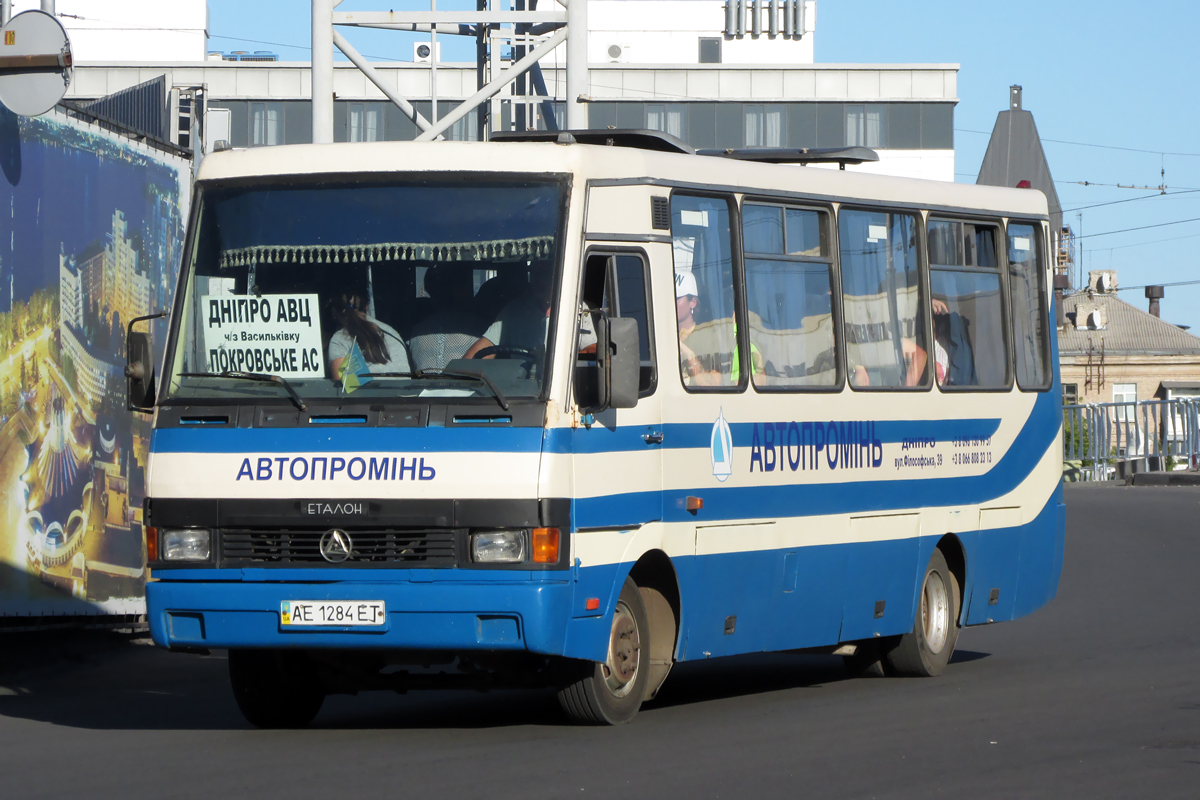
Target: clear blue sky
1103,74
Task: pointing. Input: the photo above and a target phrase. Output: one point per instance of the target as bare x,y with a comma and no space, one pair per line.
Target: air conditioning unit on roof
423,51
618,53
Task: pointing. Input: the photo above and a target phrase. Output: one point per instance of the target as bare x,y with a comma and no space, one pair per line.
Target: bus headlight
186,544
498,547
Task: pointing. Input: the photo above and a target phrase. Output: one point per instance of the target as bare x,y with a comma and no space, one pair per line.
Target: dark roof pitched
1128,330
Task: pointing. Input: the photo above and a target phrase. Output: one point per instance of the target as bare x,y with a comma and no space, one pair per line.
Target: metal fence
1107,441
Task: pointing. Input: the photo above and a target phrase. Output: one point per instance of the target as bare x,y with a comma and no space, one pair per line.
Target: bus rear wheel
611,692
275,689
925,652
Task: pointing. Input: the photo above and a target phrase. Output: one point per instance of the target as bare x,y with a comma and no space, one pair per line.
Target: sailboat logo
721,448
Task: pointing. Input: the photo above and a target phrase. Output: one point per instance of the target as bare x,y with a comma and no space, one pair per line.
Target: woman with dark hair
381,346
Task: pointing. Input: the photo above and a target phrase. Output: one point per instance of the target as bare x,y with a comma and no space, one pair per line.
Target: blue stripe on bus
685,435
794,500
342,439
676,436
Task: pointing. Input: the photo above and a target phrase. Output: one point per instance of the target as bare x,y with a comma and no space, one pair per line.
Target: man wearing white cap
686,300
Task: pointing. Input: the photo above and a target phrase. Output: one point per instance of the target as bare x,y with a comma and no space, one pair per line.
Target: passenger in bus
522,326
381,346
687,298
952,347
451,328
915,359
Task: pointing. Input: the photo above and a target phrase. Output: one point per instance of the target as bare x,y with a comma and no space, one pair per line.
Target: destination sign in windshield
277,334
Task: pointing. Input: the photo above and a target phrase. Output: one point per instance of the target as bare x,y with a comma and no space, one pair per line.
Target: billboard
91,224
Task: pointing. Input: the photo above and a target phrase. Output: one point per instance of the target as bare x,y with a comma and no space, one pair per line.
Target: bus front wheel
925,651
611,692
275,689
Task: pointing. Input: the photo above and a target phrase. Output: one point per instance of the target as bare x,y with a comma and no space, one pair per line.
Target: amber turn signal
151,543
545,545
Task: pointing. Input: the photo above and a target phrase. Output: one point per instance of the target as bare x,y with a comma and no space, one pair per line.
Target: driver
523,324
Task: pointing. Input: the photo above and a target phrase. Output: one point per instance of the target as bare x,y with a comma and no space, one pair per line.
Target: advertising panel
90,229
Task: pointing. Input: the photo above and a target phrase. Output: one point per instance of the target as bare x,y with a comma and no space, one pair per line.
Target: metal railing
1106,441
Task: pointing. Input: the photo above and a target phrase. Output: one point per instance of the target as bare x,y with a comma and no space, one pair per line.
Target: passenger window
882,305
970,346
1027,293
704,299
618,284
789,295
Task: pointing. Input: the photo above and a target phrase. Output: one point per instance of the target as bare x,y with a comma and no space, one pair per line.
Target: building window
710,51
1125,393
865,126
764,126
364,123
1070,394
666,118
265,124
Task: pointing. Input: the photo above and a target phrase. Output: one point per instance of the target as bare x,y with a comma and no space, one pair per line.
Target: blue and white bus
568,412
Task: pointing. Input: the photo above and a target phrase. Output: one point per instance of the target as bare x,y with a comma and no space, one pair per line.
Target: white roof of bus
591,162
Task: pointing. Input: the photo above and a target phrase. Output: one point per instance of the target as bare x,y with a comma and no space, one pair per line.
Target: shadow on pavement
965,656
110,681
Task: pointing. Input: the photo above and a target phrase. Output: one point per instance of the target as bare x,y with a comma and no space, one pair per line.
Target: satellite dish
35,63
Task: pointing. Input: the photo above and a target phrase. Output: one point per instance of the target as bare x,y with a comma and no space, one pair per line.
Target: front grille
386,547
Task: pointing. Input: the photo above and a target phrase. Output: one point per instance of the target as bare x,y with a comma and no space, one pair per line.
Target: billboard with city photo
90,228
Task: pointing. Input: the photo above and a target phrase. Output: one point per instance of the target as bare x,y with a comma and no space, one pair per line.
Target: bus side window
704,298
789,287
883,308
970,344
1027,295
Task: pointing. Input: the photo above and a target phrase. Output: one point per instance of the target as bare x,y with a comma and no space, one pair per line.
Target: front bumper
455,611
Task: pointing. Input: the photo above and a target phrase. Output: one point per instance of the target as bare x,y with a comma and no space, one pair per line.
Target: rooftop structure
679,66
1112,351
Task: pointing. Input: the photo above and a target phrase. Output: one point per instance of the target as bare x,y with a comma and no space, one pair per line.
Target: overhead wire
1142,244
1103,146
1138,228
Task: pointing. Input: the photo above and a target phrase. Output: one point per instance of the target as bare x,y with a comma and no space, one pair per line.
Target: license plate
338,613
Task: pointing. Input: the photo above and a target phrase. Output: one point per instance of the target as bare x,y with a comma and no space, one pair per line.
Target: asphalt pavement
1094,696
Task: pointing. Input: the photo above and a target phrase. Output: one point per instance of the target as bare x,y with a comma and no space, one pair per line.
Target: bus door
617,452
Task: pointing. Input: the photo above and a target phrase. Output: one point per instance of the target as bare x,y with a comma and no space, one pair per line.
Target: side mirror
139,368
618,352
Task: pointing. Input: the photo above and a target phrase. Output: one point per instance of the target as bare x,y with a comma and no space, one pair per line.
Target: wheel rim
624,653
935,612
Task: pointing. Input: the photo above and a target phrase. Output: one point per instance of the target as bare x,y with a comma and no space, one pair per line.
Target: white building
661,64
126,290
131,31
691,32
70,292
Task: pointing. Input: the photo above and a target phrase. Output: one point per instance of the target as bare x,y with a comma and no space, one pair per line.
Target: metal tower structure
532,33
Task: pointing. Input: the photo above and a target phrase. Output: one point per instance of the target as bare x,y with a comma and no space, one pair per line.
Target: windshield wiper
252,376
474,376
431,374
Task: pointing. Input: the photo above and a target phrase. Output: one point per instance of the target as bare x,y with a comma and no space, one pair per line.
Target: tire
610,693
925,652
275,689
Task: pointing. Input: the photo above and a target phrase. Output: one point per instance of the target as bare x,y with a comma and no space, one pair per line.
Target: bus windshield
354,291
